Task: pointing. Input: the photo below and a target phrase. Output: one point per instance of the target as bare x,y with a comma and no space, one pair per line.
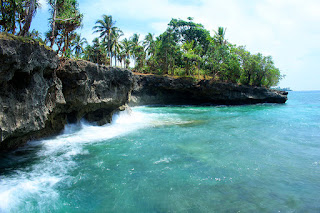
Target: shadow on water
20,159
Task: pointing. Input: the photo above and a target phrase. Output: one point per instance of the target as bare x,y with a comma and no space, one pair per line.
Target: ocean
251,158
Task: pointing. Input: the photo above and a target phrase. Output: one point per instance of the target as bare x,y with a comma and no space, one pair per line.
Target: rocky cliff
154,90
41,93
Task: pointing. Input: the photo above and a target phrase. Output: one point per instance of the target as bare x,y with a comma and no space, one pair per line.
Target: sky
288,30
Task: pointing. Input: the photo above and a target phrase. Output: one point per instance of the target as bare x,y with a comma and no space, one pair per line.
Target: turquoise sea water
260,158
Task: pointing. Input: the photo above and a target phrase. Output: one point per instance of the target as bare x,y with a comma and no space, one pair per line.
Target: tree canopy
184,49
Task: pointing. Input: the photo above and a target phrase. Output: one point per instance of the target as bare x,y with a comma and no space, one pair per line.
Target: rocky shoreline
40,93
158,90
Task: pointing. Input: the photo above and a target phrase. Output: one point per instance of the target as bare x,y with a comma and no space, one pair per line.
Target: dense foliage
17,14
185,49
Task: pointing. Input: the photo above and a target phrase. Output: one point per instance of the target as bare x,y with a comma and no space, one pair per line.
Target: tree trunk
249,79
166,61
187,67
53,23
109,48
30,13
13,18
67,43
199,70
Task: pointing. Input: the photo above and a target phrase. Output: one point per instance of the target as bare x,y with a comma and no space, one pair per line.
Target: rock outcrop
155,90
94,92
40,93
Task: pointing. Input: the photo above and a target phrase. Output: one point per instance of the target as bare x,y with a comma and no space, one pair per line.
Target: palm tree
135,39
32,6
134,45
122,58
116,34
78,44
105,27
220,35
149,43
126,48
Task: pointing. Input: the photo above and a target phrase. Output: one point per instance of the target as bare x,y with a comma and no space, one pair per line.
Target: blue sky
288,30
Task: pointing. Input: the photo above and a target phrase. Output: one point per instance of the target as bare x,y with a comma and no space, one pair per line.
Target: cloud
44,5
285,29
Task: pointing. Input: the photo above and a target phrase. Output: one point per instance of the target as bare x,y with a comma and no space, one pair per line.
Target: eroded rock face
94,92
40,94
29,93
154,90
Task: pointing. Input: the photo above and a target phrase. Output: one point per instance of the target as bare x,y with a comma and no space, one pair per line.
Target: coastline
41,93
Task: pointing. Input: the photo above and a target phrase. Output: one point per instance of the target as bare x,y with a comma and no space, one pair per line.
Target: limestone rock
40,94
155,90
92,91
29,93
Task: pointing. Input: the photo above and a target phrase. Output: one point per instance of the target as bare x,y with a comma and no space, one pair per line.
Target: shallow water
261,158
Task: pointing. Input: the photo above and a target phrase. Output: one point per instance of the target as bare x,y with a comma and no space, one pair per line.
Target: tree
149,44
220,36
31,5
17,12
126,49
135,43
8,16
140,56
96,53
106,26
36,36
65,18
190,58
191,31
78,45
54,7
168,51
116,34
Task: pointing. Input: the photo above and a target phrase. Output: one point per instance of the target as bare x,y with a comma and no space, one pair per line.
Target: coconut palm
135,43
126,49
105,27
116,46
149,44
220,35
78,44
135,40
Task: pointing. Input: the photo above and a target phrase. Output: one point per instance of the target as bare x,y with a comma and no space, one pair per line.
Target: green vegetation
17,14
65,19
16,17
185,49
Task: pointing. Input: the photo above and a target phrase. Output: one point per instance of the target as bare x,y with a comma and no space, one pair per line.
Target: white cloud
44,5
